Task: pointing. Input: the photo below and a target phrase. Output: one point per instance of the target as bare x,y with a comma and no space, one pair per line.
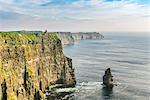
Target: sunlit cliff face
30,63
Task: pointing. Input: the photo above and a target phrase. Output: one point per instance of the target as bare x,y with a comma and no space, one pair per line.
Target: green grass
53,36
15,37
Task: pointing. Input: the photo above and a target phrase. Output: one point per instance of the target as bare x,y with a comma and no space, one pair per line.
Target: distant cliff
70,38
30,63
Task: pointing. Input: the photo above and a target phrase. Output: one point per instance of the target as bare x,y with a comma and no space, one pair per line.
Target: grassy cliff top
9,37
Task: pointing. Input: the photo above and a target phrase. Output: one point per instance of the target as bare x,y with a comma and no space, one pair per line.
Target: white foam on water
89,83
128,57
66,90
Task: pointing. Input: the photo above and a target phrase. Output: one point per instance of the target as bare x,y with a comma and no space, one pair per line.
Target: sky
75,15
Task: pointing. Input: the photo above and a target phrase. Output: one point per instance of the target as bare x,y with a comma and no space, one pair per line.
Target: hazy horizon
75,15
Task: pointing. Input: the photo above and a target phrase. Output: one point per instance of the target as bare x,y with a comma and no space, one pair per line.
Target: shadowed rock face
29,63
4,90
108,78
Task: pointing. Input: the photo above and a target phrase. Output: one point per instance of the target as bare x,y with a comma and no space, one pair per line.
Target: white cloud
84,8
112,15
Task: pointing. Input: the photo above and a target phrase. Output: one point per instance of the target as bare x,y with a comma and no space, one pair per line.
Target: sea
128,56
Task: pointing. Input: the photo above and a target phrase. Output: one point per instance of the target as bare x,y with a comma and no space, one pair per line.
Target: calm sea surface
128,56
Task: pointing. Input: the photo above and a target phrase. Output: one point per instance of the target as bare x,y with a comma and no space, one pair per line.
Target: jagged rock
4,90
108,78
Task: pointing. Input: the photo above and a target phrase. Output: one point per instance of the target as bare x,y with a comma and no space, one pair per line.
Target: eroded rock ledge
29,63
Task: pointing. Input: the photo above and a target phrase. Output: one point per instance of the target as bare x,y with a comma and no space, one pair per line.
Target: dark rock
4,90
108,78
37,95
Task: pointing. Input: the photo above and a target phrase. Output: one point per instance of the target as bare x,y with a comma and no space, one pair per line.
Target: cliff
70,38
30,63
66,37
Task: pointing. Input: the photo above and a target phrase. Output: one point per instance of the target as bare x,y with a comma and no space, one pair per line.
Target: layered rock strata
71,38
30,63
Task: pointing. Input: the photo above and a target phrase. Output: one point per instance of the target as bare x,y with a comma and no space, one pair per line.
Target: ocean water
128,56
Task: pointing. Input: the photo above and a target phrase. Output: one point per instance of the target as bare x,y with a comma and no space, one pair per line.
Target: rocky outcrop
30,63
108,78
66,37
71,38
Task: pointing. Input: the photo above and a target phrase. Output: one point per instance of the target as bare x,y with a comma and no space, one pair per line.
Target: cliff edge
71,38
30,63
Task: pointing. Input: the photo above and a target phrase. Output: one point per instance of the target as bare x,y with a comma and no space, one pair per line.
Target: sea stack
108,78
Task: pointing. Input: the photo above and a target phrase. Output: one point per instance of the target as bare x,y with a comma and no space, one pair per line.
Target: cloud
84,11
8,15
74,9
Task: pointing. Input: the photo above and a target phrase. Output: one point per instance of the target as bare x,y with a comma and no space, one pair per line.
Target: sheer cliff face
29,63
70,38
